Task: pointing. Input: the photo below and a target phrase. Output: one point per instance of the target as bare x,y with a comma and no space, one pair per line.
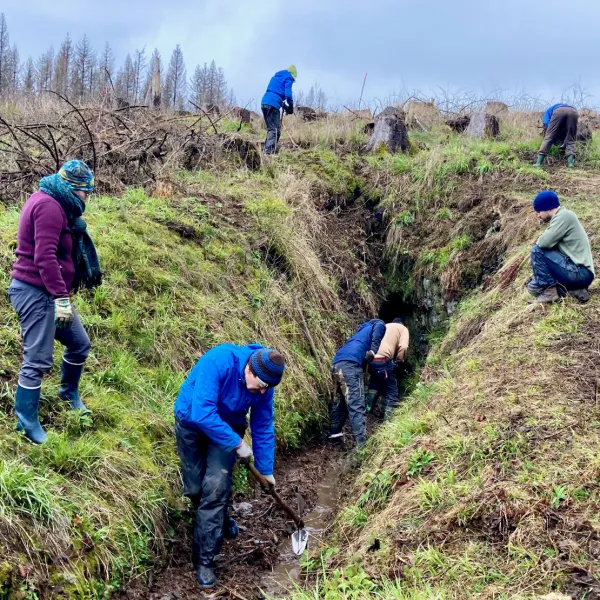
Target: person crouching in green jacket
562,259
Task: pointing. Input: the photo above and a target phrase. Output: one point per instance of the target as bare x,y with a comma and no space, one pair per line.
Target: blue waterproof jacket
548,114
279,89
214,396
367,337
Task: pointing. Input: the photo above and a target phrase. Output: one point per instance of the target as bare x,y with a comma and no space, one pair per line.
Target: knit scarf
87,267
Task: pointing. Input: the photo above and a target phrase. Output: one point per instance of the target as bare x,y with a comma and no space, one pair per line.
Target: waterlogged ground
260,558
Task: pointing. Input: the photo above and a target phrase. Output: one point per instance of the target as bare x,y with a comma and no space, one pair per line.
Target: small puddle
287,568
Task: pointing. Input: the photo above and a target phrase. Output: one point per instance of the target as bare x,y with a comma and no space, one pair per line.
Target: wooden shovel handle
272,492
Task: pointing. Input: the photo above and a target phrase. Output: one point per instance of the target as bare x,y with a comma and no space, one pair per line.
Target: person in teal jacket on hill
210,422
278,95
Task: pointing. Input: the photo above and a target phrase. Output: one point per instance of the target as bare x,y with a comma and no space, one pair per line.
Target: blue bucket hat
268,365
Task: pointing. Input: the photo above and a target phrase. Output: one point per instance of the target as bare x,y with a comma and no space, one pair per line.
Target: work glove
270,480
288,107
369,356
63,313
244,453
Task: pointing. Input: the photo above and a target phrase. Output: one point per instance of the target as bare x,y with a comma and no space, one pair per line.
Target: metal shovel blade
299,541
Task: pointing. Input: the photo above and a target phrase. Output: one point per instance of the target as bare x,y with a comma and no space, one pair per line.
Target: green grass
223,263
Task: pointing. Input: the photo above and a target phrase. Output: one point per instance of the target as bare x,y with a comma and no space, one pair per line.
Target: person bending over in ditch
348,376
210,422
55,257
560,127
383,379
562,257
278,94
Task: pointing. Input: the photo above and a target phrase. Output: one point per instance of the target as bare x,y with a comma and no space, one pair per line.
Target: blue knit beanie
268,366
546,200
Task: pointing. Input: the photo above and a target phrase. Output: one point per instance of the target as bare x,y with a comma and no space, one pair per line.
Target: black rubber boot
69,385
206,577
26,408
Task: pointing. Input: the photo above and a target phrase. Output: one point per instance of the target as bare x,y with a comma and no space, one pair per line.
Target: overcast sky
539,47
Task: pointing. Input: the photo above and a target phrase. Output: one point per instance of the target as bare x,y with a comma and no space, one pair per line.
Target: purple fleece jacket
44,247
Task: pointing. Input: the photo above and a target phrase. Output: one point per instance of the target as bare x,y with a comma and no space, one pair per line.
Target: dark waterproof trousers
551,267
384,382
207,472
273,121
349,399
562,130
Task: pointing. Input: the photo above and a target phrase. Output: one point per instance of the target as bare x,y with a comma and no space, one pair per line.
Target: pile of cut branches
126,146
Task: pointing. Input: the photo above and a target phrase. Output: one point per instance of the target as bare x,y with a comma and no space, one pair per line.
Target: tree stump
590,117
389,131
584,132
459,124
422,114
241,114
496,109
483,126
306,113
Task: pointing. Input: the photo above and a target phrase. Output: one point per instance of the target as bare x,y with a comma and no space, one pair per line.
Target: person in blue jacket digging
278,95
210,422
348,370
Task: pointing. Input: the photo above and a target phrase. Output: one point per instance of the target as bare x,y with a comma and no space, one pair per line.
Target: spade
300,536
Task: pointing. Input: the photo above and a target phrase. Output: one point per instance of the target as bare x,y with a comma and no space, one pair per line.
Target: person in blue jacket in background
278,94
210,422
560,127
348,375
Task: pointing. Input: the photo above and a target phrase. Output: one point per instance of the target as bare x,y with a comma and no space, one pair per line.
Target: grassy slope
486,484
227,258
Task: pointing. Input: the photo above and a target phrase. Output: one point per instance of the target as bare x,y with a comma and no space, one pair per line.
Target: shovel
300,536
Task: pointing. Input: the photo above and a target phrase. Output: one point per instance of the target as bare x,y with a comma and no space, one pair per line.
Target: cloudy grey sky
536,46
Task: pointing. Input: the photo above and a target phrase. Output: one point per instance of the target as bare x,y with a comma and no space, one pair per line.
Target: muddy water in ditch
318,521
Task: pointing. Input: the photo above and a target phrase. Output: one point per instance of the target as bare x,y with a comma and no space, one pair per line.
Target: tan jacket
395,342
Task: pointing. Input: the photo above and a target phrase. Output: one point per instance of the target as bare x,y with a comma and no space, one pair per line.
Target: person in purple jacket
55,257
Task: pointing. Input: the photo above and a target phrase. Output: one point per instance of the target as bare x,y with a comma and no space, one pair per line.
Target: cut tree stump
496,109
389,131
306,113
241,114
459,124
422,115
483,126
590,117
584,132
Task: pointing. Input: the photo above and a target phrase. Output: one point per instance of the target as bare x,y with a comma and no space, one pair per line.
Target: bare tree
156,80
222,89
139,65
212,85
13,69
197,86
106,67
44,70
176,84
63,66
84,61
126,81
4,53
29,77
